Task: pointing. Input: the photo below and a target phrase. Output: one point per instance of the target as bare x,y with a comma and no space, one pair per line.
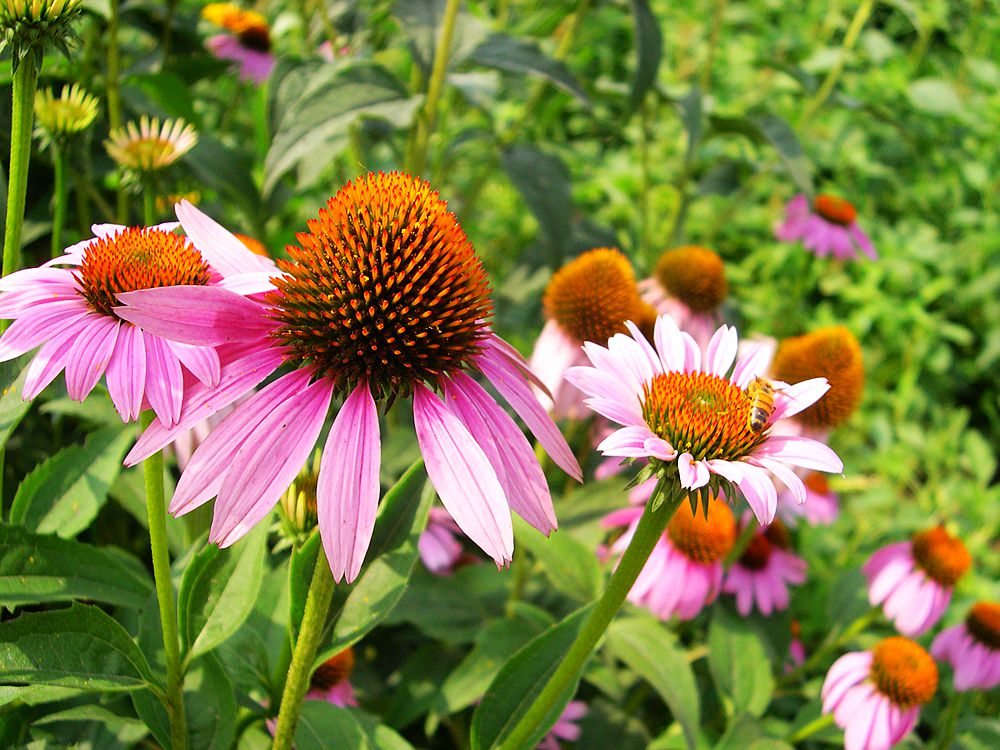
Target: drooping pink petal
627,442
202,361
48,362
693,474
348,488
126,375
760,493
217,245
463,477
164,380
268,461
788,477
508,352
41,324
669,344
89,357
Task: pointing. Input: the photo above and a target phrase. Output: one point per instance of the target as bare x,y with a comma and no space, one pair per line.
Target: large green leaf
650,650
218,591
421,20
544,182
648,51
513,55
323,725
520,681
12,406
771,130
63,494
570,566
78,647
36,569
739,663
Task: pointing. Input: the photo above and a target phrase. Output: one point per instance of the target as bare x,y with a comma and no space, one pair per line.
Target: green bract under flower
29,25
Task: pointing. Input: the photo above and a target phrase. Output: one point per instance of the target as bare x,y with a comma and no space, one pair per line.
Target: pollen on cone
903,672
694,275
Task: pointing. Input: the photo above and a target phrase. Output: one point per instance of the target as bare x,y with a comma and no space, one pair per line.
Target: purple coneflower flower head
68,308
248,42
440,550
875,696
588,299
913,580
762,574
689,284
973,648
565,728
689,414
828,227
684,571
820,508
383,299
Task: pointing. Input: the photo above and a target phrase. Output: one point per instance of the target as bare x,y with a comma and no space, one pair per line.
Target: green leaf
36,569
544,182
218,591
773,131
513,55
739,663
12,375
690,108
649,51
520,681
935,96
421,22
78,647
570,566
63,494
323,725
650,650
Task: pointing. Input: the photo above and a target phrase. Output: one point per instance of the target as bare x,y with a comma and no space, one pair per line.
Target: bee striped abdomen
761,394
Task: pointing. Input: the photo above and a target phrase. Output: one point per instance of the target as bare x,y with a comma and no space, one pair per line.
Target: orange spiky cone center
593,295
384,286
983,624
833,353
333,671
943,557
762,545
903,672
694,275
137,258
701,539
835,210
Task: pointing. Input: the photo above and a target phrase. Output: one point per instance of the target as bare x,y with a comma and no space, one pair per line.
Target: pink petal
347,492
48,362
164,380
514,357
792,399
803,452
202,361
247,284
669,344
127,372
788,477
628,442
89,357
721,351
463,477
40,325
217,245
760,493
693,474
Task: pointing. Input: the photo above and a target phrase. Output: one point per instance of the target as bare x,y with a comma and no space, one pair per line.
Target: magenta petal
268,461
506,379
164,380
89,357
43,323
127,372
802,452
47,363
217,245
200,315
202,361
463,477
512,355
348,488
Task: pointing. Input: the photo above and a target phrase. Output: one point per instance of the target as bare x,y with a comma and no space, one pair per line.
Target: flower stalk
22,117
652,524
59,207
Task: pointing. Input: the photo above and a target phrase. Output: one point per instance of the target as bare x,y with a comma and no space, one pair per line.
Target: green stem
713,44
850,37
818,724
951,716
115,100
306,646
22,116
417,158
59,212
647,533
152,469
148,203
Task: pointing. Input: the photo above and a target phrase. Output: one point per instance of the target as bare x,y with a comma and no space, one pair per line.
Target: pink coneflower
913,580
588,299
875,696
796,648
383,299
690,420
67,307
565,728
684,571
829,227
248,42
973,648
763,572
689,284
438,545
331,680
820,508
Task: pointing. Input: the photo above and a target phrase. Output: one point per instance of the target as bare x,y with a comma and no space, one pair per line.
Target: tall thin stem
952,713
306,646
647,533
816,725
22,117
152,469
713,44
59,209
115,100
417,157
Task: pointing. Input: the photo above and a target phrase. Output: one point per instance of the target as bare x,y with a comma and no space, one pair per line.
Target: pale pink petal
788,477
164,380
863,242
760,494
514,357
721,351
553,353
752,364
126,375
48,362
792,399
803,452
858,727
627,442
656,366
202,361
693,474
659,448
247,284
89,357
669,344
348,489
217,245
41,324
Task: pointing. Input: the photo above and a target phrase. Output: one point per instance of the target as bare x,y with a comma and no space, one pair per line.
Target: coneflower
689,284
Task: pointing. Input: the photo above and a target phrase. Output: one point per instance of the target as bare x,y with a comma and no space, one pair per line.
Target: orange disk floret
137,258
593,295
903,672
704,540
333,671
940,555
835,210
694,275
384,287
983,624
833,353
255,246
701,414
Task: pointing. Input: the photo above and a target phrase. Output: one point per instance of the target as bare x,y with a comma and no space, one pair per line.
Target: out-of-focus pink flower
690,413
820,508
973,648
875,696
439,547
248,42
565,728
828,227
796,648
689,284
331,680
763,572
913,580
684,571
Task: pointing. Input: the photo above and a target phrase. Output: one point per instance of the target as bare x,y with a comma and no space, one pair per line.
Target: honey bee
761,393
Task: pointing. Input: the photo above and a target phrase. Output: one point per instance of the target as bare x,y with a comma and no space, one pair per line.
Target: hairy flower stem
651,527
306,646
115,100
22,116
59,189
152,469
416,157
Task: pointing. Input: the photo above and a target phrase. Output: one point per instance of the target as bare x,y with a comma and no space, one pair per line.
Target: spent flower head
58,118
150,146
